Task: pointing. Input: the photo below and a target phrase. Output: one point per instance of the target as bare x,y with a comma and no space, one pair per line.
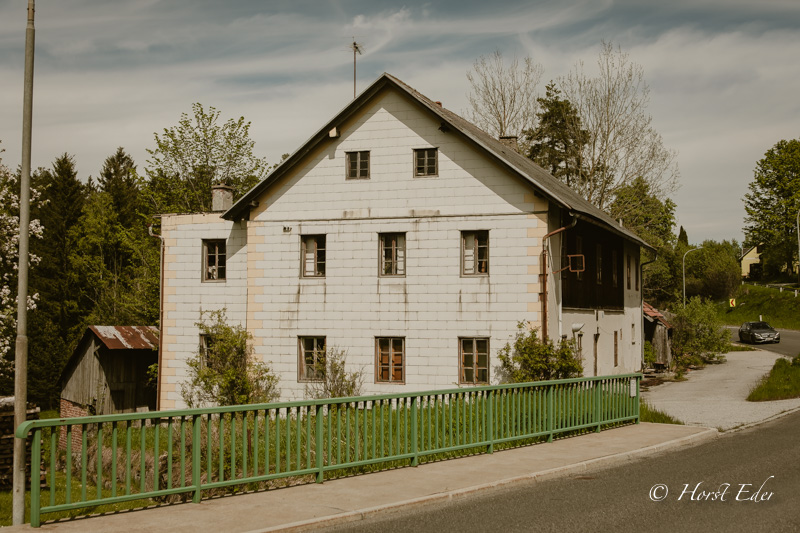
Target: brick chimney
510,141
221,197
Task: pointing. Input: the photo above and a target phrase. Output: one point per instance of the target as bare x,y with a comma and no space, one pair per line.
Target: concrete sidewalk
305,507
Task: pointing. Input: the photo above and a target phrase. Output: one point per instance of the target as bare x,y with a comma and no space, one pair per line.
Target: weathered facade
409,238
658,331
107,373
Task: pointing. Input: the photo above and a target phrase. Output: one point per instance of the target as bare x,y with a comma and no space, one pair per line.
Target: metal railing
98,460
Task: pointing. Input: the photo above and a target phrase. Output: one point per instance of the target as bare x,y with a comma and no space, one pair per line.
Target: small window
475,253
313,256
614,275
636,267
390,354
214,260
599,249
474,361
312,358
357,165
393,254
425,162
617,334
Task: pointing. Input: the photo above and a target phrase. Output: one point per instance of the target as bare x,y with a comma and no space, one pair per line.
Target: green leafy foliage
649,354
194,155
698,336
713,271
335,380
529,358
772,205
226,373
779,309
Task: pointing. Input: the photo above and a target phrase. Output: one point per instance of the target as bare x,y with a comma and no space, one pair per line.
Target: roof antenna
355,47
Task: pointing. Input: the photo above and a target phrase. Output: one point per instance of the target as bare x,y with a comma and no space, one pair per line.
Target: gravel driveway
715,396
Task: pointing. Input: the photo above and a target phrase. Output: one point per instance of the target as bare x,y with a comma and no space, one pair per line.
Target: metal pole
21,361
684,274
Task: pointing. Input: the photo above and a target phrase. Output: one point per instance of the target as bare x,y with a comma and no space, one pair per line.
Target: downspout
641,304
543,275
160,312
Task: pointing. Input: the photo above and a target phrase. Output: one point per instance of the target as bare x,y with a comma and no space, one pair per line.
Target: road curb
552,473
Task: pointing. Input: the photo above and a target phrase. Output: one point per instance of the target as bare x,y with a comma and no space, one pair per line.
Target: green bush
224,371
698,336
335,381
531,359
649,354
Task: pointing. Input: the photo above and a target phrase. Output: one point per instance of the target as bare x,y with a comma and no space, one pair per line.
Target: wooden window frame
599,263
205,346
214,273
614,266
475,253
392,365
362,160
429,154
617,336
317,271
462,380
396,262
636,268
628,260
303,351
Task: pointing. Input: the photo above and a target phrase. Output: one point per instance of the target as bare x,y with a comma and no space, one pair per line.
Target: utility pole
21,354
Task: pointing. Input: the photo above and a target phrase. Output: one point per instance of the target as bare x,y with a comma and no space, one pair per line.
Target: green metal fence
97,460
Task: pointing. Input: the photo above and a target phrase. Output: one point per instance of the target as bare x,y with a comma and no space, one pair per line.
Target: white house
410,238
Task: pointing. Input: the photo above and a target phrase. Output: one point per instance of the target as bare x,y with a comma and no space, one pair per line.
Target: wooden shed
107,373
658,331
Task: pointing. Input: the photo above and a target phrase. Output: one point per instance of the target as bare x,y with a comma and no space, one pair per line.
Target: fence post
196,458
638,401
414,443
550,413
36,468
490,423
319,444
597,384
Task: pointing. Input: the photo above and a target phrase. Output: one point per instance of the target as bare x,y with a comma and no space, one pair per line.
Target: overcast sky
724,74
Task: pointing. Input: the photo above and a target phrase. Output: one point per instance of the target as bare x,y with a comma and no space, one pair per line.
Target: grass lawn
782,382
648,413
779,309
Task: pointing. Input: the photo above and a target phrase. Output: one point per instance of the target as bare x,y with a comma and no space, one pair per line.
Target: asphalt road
742,481
789,345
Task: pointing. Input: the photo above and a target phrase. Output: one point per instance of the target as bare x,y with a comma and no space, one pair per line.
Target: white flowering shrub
9,248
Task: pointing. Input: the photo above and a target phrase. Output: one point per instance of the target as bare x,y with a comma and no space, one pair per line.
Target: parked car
757,332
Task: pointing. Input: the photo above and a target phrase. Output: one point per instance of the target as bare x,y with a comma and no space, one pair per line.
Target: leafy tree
224,372
194,155
772,205
531,359
713,271
623,145
683,238
335,380
502,98
698,336
558,140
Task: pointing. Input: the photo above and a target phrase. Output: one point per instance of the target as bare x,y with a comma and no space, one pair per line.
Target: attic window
357,165
214,260
425,162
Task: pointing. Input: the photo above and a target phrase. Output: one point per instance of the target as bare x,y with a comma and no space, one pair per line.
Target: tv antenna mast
355,47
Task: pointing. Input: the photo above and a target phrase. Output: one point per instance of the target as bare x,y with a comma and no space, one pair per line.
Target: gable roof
504,155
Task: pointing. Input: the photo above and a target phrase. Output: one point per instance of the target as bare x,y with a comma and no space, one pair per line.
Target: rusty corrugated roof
655,314
127,337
